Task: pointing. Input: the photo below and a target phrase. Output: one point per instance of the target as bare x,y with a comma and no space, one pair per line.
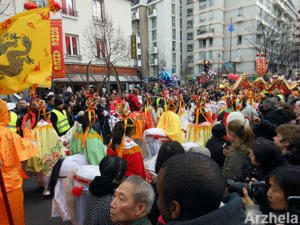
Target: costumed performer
170,123
200,130
86,140
13,150
123,146
50,147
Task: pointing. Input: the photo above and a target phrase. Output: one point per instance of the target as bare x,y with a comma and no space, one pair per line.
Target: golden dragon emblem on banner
16,57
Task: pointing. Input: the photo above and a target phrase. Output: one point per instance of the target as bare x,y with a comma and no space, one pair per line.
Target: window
189,1
98,10
189,12
189,36
190,69
154,35
174,69
71,45
258,39
211,3
210,54
173,9
68,7
202,43
210,40
173,46
203,4
180,35
174,58
154,24
173,33
240,12
202,17
202,55
239,40
173,21
189,24
180,23
100,48
190,48
202,29
190,59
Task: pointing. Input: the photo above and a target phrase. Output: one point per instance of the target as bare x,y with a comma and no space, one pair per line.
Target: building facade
157,26
209,38
77,18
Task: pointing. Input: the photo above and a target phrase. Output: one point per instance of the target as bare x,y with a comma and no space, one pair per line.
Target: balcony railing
153,50
69,12
153,62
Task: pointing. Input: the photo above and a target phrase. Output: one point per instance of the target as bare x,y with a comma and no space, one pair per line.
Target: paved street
38,209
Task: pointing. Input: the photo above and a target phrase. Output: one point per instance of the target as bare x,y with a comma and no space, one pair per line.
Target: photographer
283,184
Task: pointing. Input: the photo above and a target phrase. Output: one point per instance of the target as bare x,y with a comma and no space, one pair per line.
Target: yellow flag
25,51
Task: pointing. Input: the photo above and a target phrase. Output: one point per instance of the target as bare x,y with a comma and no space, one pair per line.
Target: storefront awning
81,78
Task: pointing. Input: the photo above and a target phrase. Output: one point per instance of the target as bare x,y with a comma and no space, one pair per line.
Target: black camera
256,190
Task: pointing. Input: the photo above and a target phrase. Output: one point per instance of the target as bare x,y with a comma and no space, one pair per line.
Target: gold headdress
91,103
42,110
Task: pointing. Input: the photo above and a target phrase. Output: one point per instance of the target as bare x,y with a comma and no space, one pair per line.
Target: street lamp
219,55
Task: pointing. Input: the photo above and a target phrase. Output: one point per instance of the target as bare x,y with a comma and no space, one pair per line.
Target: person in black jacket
191,187
216,143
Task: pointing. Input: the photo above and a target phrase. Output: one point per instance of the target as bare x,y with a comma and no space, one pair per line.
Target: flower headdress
42,109
124,112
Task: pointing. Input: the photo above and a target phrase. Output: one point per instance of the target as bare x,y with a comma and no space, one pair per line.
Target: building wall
245,15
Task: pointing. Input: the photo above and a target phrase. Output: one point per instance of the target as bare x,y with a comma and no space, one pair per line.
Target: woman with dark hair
112,170
284,188
123,146
86,140
50,147
240,135
265,155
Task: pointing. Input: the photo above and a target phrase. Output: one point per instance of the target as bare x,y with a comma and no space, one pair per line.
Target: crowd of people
156,155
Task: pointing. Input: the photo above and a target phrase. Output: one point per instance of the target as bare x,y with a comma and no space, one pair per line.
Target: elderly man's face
123,208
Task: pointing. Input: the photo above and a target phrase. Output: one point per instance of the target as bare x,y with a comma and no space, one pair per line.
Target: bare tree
108,43
279,46
4,4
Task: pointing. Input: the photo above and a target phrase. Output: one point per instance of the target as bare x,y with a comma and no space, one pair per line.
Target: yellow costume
50,148
13,150
170,123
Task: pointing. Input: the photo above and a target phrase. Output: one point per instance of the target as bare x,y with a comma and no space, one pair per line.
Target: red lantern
201,81
55,6
236,76
30,5
231,76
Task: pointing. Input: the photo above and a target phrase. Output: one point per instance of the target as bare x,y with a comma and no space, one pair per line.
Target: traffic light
206,65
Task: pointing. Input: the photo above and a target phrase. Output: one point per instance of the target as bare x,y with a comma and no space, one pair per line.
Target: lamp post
219,55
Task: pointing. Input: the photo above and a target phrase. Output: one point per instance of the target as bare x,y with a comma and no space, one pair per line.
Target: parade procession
92,134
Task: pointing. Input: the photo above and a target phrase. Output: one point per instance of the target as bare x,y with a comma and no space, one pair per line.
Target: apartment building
157,25
77,17
208,35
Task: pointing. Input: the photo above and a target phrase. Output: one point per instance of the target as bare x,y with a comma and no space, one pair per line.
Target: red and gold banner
258,65
57,50
264,64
